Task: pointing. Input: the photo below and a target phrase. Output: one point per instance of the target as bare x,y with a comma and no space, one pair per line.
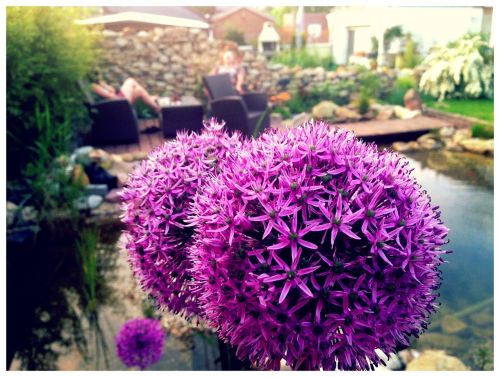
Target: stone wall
171,61
165,60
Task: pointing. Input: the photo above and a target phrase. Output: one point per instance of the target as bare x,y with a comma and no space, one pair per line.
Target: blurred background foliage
47,53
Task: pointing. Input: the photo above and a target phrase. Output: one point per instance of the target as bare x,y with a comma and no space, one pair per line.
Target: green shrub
402,85
364,104
366,83
305,59
339,92
374,42
235,35
51,186
298,103
411,58
47,53
284,111
390,34
483,131
369,84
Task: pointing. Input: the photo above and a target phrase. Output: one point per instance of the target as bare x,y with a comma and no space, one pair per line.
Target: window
314,31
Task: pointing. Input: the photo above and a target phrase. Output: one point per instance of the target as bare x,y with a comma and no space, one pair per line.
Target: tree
278,13
317,9
233,34
390,34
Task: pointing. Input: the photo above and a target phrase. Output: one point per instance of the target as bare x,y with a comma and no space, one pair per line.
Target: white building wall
429,25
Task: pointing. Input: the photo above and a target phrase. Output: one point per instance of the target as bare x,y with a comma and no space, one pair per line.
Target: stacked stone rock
166,61
173,60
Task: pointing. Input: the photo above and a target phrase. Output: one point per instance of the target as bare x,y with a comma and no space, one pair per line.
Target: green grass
475,108
483,131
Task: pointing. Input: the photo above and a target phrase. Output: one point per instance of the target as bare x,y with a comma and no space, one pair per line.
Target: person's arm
240,79
103,92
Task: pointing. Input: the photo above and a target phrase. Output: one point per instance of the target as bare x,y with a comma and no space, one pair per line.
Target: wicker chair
113,120
248,113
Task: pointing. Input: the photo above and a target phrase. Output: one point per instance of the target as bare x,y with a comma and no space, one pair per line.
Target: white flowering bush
458,71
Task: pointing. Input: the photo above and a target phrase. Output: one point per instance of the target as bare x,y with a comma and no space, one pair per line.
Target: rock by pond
404,113
412,100
12,210
479,146
324,110
452,325
482,318
449,138
436,360
344,114
385,113
429,142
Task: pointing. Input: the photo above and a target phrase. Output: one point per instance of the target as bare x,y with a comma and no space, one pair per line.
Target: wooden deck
387,130
392,128
149,138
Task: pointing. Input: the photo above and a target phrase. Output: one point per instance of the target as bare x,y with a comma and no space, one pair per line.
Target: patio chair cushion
219,86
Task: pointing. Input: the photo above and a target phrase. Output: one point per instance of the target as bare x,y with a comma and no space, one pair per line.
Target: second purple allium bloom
157,202
316,248
139,342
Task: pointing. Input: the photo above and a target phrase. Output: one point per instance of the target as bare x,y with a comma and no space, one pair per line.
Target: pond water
51,327
462,185
46,330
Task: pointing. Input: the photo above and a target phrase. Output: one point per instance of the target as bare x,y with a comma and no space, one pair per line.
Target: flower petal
284,291
307,244
303,287
277,277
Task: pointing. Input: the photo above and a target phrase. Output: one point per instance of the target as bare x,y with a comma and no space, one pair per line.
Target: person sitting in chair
130,90
231,66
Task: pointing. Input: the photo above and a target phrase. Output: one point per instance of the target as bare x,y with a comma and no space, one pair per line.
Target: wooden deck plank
370,129
110,149
156,140
145,145
133,148
150,142
377,128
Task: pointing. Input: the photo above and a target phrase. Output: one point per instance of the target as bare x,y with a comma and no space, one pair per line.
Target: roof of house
170,11
164,16
229,11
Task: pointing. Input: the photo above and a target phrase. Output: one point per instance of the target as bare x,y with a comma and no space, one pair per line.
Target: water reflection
462,185
49,316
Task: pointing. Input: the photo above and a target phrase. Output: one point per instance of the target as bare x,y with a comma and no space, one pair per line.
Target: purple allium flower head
140,342
156,204
316,248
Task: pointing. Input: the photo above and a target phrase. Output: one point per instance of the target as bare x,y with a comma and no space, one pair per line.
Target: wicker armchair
248,113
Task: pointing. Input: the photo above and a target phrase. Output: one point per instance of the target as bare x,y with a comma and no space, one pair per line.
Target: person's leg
132,90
